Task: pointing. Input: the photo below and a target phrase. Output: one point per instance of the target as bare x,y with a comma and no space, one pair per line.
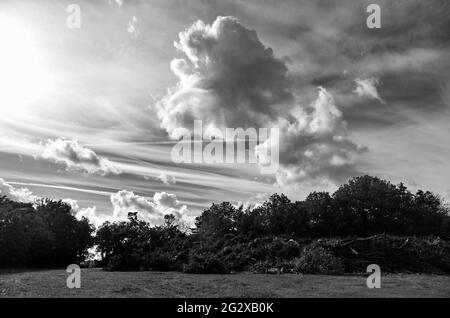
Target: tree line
324,233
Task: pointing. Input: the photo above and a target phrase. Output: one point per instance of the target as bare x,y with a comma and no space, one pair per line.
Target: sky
90,115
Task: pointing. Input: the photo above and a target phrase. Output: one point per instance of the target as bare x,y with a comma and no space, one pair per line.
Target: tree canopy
43,235
47,234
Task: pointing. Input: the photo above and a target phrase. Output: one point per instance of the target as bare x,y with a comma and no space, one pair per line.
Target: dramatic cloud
17,194
152,211
100,88
330,46
76,157
314,144
368,88
230,79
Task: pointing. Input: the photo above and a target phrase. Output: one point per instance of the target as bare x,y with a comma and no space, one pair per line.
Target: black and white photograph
239,152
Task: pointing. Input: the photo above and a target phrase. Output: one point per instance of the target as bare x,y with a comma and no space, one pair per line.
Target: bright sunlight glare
23,77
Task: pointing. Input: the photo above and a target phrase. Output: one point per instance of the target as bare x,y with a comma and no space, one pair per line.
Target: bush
261,267
236,258
317,260
273,248
393,253
125,262
205,263
287,266
160,261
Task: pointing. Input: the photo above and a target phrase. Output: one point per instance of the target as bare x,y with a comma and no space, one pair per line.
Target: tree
323,219
369,205
71,237
47,235
219,220
276,213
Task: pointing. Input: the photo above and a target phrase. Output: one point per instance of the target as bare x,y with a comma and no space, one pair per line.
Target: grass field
98,283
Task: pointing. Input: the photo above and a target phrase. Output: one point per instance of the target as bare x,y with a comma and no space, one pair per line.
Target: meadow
99,283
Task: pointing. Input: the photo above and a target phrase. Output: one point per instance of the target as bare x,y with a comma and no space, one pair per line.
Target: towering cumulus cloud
228,78
314,143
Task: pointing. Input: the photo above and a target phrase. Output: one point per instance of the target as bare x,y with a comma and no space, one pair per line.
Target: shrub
205,263
125,262
393,253
317,260
287,266
261,267
160,261
236,259
273,248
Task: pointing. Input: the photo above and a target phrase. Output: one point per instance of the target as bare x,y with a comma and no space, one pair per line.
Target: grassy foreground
98,283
